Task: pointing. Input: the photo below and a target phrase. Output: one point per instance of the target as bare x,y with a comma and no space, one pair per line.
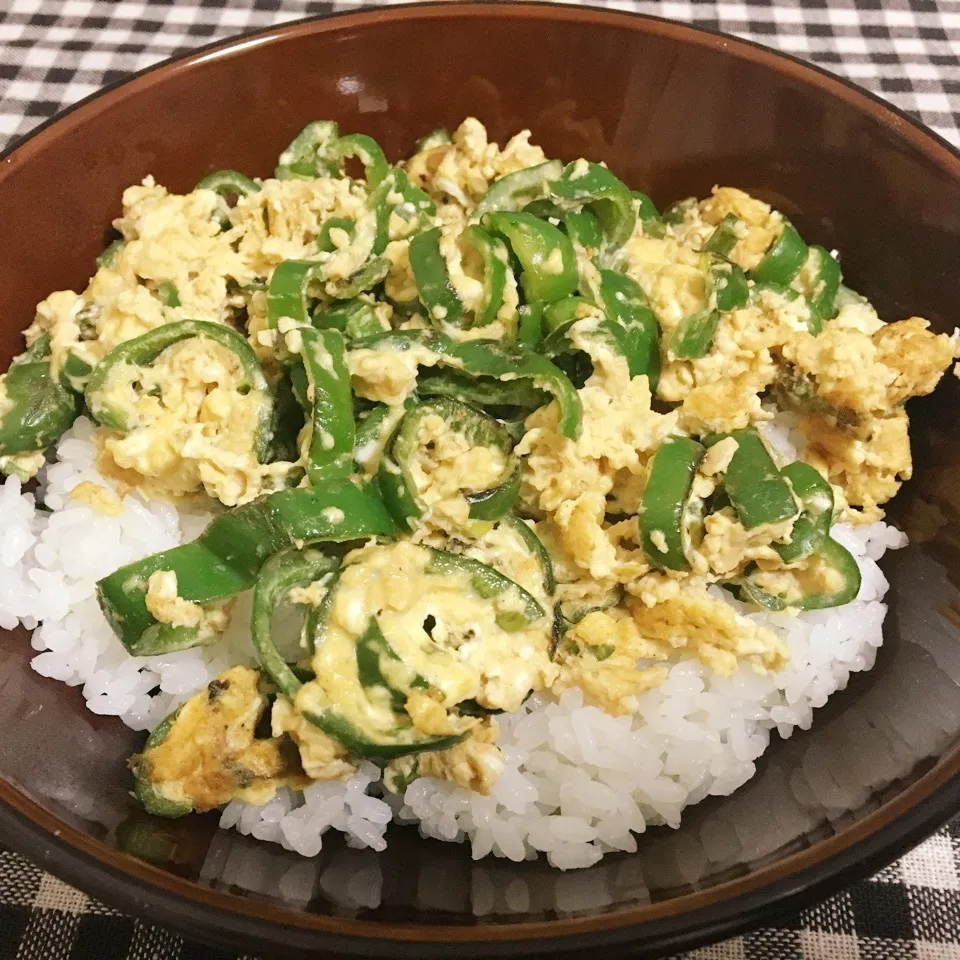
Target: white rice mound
578,783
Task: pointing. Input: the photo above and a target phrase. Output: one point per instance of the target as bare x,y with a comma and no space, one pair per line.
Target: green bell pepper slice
144,350
353,318
38,408
370,275
289,292
481,392
493,253
395,477
489,359
823,284
814,318
530,325
693,336
670,513
109,256
757,489
546,255
625,303
228,183
437,293
784,260
812,527
324,243
331,438
312,153
152,800
648,215
226,559
488,583
514,191
588,185
535,545
435,138
727,290
724,237
413,205
279,575
831,555
368,152
727,286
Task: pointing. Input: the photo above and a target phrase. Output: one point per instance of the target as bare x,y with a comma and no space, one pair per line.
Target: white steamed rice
578,783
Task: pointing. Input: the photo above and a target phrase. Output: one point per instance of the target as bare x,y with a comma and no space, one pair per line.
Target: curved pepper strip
727,290
589,185
368,152
414,205
226,559
324,243
38,409
625,303
784,260
481,392
143,350
109,256
279,575
670,512
487,582
331,437
437,293
530,325
814,318
435,138
724,237
395,477
757,489
648,215
545,253
288,293
812,527
353,318
824,283
312,153
829,553
535,545
153,801
515,190
227,183
489,359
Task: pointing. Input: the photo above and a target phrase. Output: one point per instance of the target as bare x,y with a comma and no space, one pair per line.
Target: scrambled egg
619,621
211,755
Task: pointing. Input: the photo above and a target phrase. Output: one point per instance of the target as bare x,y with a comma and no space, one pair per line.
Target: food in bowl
469,492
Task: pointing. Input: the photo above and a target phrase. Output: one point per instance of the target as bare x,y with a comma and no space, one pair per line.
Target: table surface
54,52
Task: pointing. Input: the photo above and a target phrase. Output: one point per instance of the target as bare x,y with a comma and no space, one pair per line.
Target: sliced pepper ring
670,511
144,350
589,185
311,153
395,477
836,559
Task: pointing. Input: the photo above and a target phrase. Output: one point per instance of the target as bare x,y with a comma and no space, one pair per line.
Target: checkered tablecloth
53,52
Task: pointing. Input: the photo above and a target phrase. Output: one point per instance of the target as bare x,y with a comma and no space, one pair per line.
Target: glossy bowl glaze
673,110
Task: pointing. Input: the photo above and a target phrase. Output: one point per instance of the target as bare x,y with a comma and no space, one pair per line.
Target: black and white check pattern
54,52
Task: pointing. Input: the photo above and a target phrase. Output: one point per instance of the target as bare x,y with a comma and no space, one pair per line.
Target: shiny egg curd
489,423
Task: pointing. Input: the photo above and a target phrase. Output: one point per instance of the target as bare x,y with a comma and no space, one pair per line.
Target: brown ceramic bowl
673,110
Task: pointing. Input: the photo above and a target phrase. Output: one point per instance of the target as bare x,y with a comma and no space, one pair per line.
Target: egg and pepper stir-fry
489,420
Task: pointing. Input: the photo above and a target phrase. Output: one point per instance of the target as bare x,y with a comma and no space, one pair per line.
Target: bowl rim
687,921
